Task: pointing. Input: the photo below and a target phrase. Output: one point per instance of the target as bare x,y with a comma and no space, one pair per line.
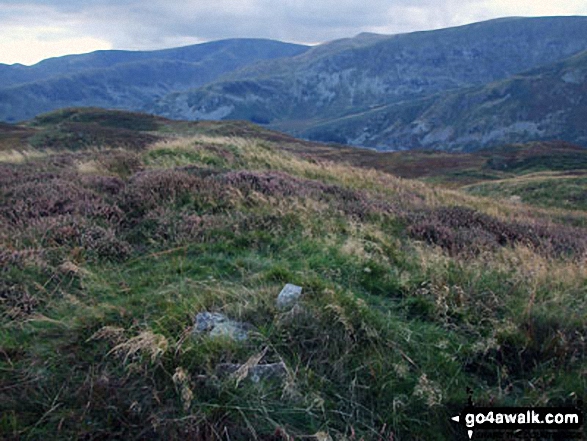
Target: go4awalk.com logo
522,422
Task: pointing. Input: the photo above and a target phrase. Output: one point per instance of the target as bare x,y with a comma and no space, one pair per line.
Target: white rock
288,296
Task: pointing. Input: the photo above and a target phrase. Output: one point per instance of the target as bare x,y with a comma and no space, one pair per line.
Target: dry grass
91,167
21,156
145,343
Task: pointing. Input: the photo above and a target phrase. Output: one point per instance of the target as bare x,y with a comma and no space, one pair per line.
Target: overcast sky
33,30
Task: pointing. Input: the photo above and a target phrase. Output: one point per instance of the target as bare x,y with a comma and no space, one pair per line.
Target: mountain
461,88
125,79
542,104
309,93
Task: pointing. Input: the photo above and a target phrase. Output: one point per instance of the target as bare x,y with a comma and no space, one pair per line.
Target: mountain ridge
104,58
373,85
346,76
110,80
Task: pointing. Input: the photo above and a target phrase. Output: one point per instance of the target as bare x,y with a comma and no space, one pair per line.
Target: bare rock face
215,324
288,296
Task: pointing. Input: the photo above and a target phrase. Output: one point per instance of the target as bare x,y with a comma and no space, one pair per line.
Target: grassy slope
568,191
411,293
541,174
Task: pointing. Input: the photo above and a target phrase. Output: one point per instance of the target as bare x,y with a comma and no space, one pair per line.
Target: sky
37,29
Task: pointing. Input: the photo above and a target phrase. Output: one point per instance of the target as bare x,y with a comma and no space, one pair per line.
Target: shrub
36,199
67,232
15,299
150,189
122,163
110,185
279,184
272,183
463,230
102,243
166,226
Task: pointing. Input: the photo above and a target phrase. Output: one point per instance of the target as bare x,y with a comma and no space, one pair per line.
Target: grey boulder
215,324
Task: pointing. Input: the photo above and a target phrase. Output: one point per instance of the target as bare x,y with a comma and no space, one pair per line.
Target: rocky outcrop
543,104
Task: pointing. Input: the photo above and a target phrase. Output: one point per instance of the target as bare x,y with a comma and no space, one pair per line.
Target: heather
411,294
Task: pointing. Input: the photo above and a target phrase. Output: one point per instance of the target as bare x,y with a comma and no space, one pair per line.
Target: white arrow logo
457,419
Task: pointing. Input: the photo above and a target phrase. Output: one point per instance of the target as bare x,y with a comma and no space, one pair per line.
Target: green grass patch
567,192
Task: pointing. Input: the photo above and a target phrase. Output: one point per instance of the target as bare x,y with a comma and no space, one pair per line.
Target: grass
546,189
411,294
19,156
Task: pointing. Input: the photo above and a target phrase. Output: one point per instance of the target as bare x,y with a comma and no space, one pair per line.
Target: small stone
231,329
515,199
226,369
288,296
267,372
216,324
322,436
71,268
207,321
257,373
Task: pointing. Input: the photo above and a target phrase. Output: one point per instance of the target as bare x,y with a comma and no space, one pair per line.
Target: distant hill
457,89
543,104
77,129
314,93
125,79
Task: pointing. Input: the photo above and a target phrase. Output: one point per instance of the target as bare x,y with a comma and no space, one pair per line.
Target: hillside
235,50
125,79
543,104
361,81
139,284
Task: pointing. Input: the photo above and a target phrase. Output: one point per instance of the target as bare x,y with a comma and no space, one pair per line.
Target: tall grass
411,294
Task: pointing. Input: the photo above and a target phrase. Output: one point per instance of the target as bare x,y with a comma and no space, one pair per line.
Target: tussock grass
411,294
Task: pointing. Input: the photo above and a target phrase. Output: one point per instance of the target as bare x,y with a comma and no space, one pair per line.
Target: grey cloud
140,24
